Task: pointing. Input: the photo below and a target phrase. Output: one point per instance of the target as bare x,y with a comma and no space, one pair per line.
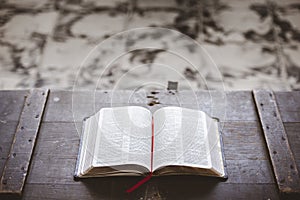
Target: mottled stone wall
255,44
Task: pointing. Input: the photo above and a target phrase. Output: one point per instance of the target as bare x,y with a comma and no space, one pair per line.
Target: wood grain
293,132
7,131
17,164
289,105
284,165
62,140
10,109
168,188
248,163
11,104
68,106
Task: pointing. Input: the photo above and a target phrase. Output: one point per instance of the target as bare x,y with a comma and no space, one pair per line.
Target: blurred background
254,44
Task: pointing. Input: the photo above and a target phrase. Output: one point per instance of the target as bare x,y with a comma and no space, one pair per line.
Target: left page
123,138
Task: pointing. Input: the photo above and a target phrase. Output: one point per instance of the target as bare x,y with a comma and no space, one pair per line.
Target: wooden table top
40,132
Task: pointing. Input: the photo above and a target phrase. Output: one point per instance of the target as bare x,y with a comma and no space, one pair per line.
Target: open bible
132,141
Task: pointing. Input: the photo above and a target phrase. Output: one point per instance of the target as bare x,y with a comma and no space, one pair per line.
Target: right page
180,138
184,143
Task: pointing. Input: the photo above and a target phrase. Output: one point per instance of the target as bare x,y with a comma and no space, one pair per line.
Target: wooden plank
55,154
289,105
283,161
16,167
227,106
7,131
187,189
156,188
10,108
249,171
243,141
68,106
11,104
81,190
97,96
292,130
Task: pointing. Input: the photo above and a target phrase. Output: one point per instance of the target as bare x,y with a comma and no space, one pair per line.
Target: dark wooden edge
282,158
17,165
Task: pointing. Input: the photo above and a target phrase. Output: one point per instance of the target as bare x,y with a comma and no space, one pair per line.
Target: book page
180,138
124,137
88,142
215,148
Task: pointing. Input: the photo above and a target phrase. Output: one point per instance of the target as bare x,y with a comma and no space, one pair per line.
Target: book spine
152,145
78,162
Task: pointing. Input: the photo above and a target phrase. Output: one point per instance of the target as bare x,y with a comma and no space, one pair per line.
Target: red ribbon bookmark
144,180
141,182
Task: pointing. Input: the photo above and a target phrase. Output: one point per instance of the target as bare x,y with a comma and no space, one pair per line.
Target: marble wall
251,44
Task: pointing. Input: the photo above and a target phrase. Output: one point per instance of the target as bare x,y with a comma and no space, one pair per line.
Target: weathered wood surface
248,163
16,166
67,106
293,132
249,169
289,107
283,161
11,104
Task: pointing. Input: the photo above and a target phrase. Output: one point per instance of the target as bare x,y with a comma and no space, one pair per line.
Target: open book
132,141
